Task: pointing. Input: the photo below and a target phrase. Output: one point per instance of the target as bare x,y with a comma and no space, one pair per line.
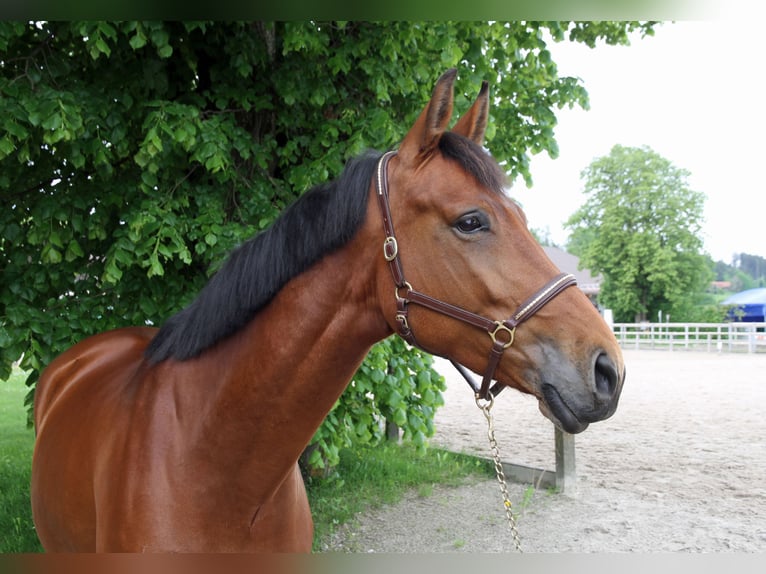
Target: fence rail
711,337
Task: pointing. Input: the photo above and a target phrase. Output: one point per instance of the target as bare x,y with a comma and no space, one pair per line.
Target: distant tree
754,266
744,272
640,228
578,242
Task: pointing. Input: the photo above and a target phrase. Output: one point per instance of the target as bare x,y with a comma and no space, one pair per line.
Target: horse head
462,241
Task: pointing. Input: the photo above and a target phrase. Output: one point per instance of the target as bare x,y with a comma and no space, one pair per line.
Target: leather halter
501,333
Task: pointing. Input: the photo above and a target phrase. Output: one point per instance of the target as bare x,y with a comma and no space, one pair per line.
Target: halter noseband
500,332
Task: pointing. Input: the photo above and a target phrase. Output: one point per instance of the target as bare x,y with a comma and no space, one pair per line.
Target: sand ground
680,467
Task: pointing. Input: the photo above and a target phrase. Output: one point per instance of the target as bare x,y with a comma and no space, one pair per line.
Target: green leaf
112,273
394,399
138,40
7,147
400,417
5,338
155,267
55,239
51,255
148,306
73,251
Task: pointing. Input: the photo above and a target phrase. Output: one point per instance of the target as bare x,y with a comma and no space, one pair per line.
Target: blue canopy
748,306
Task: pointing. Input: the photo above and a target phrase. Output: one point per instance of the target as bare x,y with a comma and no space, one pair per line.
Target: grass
370,477
17,531
367,477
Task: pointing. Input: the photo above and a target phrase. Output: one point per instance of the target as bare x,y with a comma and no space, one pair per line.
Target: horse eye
471,223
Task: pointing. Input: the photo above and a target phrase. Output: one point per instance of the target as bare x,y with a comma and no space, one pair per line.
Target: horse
186,438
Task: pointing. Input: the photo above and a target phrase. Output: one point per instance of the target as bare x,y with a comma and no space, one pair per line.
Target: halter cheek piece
501,333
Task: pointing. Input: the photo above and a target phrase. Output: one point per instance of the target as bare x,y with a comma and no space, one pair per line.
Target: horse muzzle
573,406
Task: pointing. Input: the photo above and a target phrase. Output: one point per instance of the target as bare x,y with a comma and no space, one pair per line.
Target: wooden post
566,474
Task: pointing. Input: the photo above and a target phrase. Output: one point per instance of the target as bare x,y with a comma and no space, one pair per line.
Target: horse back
109,354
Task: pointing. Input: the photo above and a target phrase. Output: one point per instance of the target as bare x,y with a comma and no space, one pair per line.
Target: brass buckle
501,327
390,241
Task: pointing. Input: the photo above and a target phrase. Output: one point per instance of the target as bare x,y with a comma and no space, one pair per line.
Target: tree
640,228
134,155
744,272
754,266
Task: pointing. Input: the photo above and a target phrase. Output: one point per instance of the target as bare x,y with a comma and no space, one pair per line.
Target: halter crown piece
501,333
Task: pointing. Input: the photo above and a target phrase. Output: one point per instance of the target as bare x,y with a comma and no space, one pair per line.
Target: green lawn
365,478
17,532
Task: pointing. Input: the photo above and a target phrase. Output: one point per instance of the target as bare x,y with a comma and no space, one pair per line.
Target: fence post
719,342
729,337
566,473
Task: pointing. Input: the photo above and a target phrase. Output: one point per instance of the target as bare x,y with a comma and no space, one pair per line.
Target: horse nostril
606,376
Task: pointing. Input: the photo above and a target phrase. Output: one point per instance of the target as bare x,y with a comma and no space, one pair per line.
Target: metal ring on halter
485,404
406,285
502,327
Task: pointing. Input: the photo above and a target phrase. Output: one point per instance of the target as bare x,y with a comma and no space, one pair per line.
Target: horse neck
276,380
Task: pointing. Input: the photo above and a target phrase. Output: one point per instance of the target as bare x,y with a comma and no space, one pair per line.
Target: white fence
712,337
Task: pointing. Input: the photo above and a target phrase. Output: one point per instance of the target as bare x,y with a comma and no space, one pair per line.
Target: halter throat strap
501,333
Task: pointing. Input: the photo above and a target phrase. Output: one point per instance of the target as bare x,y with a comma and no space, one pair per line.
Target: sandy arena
679,468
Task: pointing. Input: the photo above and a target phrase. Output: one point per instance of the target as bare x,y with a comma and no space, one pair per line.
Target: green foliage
396,383
134,155
640,227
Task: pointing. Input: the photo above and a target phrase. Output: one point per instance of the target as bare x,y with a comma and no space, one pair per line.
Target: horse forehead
447,174
451,185
441,180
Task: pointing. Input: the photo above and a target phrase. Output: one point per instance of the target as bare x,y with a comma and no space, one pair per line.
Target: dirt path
680,467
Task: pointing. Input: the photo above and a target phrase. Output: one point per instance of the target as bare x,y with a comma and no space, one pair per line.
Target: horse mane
319,222
322,220
473,159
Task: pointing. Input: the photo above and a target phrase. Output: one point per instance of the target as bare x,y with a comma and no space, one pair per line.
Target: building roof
747,305
569,263
749,297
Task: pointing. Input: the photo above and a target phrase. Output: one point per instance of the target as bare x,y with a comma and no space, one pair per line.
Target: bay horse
186,438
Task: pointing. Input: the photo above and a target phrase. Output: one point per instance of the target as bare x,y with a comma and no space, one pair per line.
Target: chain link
486,408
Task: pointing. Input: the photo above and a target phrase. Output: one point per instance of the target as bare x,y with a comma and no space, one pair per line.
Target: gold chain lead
486,408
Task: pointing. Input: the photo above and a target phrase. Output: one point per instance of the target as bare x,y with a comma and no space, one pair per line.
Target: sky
693,93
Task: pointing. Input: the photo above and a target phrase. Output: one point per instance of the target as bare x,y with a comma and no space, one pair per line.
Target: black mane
322,220
474,160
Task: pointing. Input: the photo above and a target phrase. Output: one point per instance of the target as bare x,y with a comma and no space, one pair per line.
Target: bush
396,383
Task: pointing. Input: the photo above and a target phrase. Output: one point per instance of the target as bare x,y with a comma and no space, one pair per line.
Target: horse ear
474,123
423,136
